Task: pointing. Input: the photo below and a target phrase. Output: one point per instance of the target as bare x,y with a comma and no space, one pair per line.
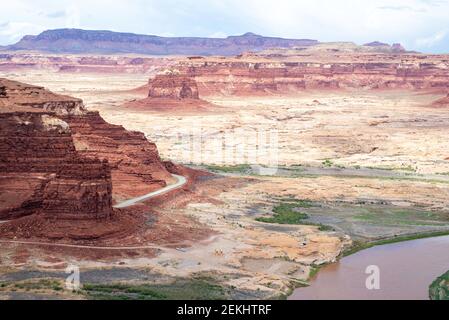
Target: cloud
432,40
56,14
415,23
218,34
15,30
402,8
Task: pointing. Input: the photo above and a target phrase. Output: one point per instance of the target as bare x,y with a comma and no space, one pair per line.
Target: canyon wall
282,74
59,159
32,61
71,187
135,162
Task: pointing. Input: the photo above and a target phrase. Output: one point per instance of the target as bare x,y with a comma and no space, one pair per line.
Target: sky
421,25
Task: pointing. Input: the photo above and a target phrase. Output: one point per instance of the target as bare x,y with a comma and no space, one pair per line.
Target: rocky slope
20,61
135,163
94,41
58,159
71,186
442,102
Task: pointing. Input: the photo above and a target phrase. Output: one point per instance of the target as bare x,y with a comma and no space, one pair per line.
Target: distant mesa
101,41
376,44
396,47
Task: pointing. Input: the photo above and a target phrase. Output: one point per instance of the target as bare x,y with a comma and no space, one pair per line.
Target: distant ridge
105,42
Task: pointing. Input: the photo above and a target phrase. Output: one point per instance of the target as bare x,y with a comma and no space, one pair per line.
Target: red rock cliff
38,148
254,74
173,87
135,163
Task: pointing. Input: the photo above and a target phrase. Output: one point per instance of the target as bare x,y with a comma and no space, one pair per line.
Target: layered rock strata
171,92
136,167
60,160
72,186
259,74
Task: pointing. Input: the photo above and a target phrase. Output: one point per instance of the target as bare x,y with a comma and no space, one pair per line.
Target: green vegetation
240,168
402,217
392,168
287,213
314,271
328,163
361,245
33,285
439,289
194,289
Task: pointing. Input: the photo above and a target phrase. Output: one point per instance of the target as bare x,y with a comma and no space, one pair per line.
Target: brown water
406,271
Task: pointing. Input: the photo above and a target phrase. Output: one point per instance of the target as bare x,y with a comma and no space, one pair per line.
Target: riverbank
439,289
405,270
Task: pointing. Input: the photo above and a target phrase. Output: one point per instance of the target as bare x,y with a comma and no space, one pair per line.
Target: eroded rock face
24,95
173,86
275,73
58,159
443,102
135,163
71,186
172,92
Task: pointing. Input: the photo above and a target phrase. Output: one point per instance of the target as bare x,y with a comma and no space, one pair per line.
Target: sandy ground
397,131
389,129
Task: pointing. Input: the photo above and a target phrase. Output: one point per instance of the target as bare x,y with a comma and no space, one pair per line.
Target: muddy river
396,271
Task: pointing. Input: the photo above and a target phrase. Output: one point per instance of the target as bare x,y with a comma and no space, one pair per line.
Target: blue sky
421,25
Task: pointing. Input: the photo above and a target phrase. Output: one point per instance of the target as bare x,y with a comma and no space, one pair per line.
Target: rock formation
38,146
264,73
135,163
83,64
172,86
442,102
171,92
60,160
94,41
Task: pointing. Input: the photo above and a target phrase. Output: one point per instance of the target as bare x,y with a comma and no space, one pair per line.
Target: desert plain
361,165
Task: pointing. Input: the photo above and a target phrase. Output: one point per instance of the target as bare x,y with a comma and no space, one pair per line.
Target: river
406,270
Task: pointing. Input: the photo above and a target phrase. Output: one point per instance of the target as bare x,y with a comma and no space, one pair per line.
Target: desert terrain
359,162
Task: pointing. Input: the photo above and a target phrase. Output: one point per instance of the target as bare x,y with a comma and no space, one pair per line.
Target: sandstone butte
171,92
60,162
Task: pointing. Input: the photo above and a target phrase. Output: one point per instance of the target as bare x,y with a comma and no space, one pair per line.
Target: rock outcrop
442,102
260,74
36,144
60,160
20,61
173,86
135,162
171,92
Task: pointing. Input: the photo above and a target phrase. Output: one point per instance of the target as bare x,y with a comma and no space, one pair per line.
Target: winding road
181,181
128,203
